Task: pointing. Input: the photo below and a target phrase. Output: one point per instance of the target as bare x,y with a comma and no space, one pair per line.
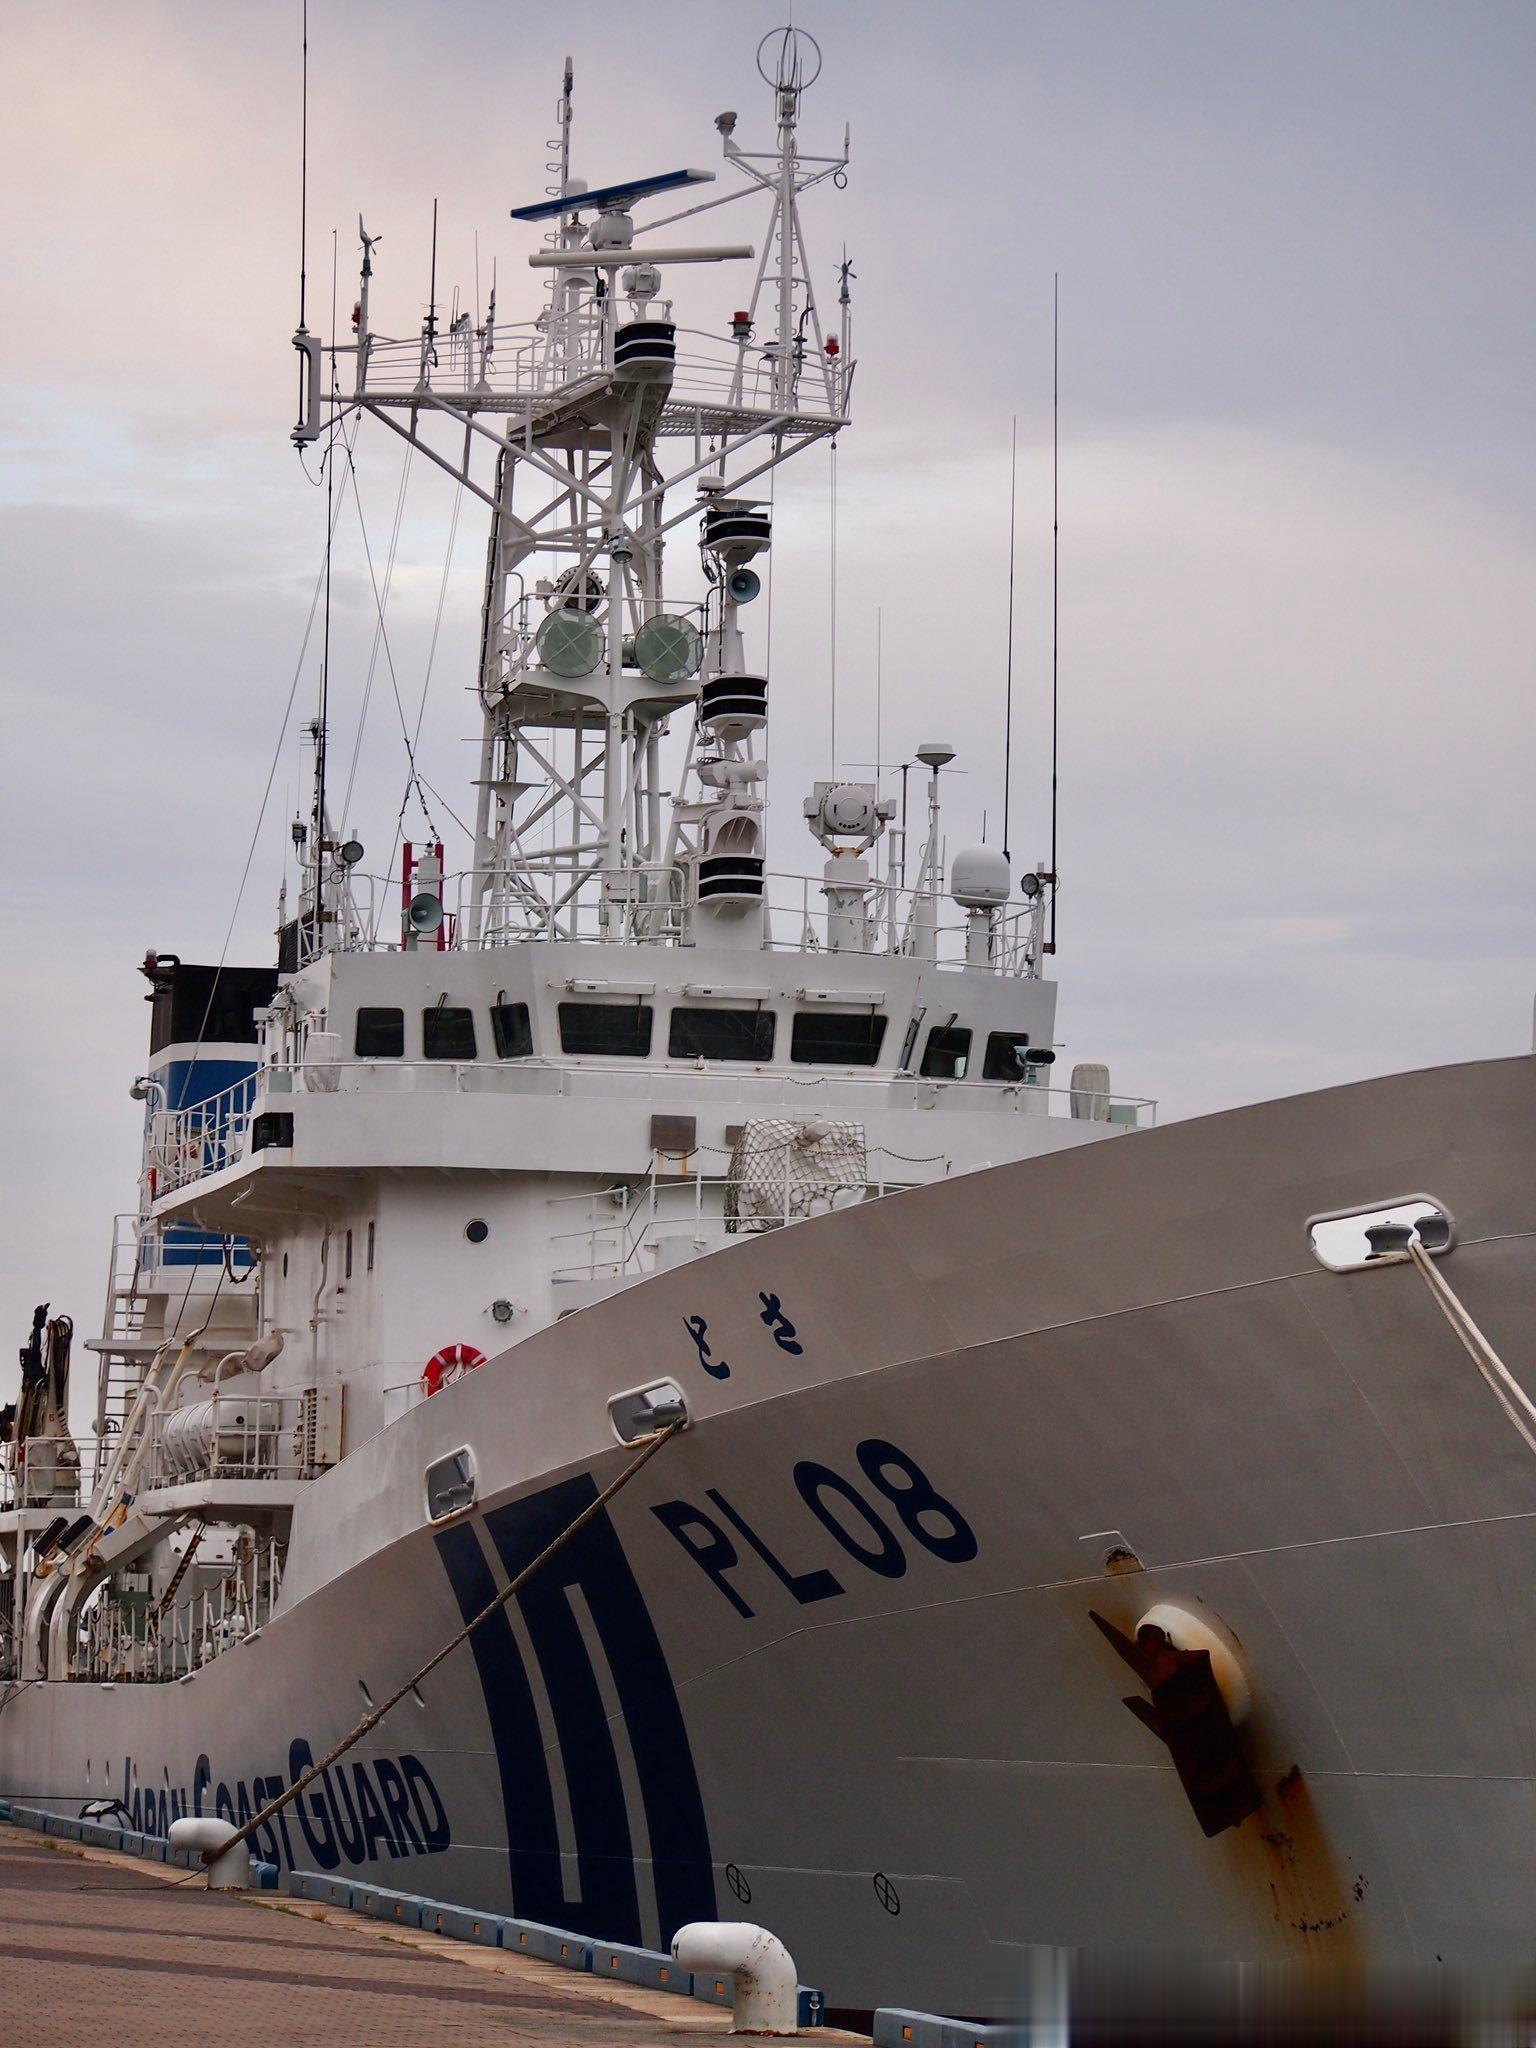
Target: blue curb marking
650,1967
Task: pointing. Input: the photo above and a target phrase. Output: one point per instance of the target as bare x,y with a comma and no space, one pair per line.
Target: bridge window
447,1034
946,1054
606,1030
512,1031
824,1038
721,1035
1005,1059
380,1035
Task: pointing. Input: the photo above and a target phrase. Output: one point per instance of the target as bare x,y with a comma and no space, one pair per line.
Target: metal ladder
126,1311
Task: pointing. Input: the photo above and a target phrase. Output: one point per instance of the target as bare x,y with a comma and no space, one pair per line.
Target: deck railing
189,1144
628,1230
125,1638
47,1472
202,1140
564,900
225,1436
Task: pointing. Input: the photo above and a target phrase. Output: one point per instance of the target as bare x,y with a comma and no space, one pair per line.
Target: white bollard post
758,1964
229,1872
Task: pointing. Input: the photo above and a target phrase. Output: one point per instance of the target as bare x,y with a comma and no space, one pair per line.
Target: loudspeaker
743,585
425,912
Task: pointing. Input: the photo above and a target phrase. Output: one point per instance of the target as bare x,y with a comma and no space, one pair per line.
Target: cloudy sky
1297,732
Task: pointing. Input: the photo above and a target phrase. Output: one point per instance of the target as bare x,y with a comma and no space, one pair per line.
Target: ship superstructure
464,1105
1071,1543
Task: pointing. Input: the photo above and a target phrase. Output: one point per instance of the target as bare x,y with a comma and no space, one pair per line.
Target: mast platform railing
524,365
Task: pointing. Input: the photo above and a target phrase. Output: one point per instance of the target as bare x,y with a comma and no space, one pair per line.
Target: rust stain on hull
1306,1905
1282,1858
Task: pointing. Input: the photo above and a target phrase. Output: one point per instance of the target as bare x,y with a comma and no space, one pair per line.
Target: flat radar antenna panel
789,59
612,198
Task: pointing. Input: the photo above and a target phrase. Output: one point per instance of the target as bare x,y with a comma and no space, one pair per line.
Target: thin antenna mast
1050,944
304,164
432,288
317,935
832,523
1013,506
567,80
879,684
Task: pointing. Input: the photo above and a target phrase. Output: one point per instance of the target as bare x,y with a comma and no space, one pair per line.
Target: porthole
477,1230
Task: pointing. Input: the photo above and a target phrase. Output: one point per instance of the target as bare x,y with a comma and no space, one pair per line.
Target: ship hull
830,1662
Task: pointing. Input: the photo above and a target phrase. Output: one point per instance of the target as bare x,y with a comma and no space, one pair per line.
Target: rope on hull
372,1719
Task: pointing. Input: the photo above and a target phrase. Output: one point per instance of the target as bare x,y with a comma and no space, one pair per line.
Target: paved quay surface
99,1951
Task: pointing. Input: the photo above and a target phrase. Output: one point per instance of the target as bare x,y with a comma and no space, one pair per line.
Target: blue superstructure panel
191,1075
188,1080
180,1246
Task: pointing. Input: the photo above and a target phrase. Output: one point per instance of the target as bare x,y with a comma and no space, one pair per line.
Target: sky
1296,511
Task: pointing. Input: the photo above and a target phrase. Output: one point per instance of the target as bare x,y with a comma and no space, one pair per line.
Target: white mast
591,434
582,433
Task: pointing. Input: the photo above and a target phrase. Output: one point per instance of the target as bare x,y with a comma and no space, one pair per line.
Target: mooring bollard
760,1967
202,1833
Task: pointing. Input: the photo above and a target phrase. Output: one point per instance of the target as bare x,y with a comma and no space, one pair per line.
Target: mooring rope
372,1719
1503,1385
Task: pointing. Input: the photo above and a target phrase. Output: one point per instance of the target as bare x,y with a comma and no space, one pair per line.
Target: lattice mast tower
593,414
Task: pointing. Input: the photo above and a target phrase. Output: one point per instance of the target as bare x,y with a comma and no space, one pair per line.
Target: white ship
1082,1534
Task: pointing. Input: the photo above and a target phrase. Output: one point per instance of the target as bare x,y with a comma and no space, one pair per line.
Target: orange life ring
449,1364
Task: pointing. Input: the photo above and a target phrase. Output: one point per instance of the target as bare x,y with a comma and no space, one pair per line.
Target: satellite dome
980,878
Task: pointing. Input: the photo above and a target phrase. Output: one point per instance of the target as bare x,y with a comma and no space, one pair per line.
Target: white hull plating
832,1653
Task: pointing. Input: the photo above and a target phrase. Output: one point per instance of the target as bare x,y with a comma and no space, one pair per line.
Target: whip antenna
832,590
1055,565
879,686
303,161
432,289
1013,501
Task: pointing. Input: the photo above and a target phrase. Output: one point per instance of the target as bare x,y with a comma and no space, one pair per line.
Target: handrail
513,360
201,1138
657,904
214,1133
46,1471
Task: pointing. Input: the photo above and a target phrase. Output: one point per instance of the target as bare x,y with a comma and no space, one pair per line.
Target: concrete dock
101,1950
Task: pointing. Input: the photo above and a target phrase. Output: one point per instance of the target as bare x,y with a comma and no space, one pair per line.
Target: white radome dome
980,878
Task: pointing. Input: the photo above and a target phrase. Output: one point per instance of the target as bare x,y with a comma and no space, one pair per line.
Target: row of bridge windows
626,1031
